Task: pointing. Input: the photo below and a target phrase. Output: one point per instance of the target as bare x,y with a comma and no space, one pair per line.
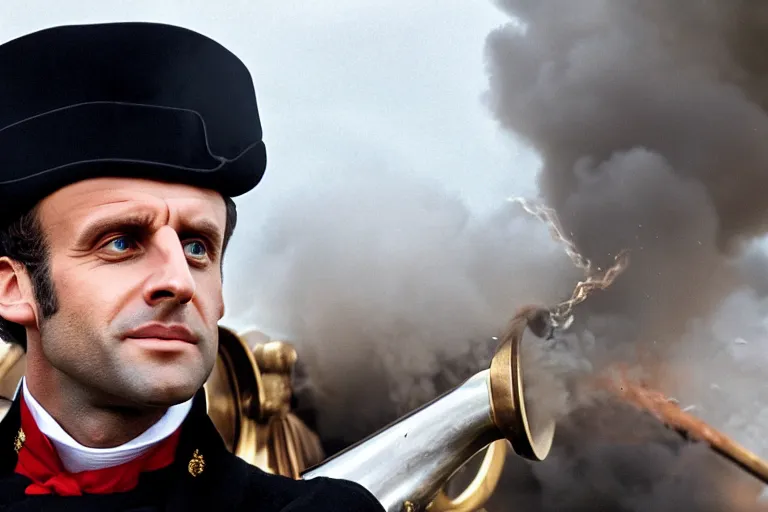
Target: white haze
724,361
382,278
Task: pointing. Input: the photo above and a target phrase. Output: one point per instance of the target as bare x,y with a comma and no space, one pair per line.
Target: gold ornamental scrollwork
249,400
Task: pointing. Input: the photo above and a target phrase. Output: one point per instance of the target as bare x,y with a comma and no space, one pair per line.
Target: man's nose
172,279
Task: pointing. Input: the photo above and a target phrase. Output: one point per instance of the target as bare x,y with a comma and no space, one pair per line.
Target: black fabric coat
227,483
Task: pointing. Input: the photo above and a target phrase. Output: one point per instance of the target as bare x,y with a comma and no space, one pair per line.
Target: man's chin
163,392
167,382
170,396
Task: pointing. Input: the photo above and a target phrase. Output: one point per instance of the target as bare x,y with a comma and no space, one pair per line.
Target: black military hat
144,100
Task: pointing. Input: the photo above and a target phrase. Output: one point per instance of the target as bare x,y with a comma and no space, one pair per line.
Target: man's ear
17,301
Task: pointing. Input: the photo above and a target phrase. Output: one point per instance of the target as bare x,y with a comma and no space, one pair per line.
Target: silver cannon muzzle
406,464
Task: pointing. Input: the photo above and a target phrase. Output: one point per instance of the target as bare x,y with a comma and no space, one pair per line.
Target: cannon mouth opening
527,427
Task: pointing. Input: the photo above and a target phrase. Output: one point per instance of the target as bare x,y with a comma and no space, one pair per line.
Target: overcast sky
345,87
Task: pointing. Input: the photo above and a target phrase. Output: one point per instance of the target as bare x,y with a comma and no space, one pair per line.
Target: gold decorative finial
276,360
196,464
275,356
19,441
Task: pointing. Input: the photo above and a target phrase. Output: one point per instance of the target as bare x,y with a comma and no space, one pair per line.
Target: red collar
39,462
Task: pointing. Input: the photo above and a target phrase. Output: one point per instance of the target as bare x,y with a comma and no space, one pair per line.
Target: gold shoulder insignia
19,441
196,464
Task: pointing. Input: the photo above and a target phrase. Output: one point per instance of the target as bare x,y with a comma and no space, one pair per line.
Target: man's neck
76,457
90,425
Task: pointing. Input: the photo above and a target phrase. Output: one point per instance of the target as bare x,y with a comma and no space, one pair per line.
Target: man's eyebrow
204,227
96,228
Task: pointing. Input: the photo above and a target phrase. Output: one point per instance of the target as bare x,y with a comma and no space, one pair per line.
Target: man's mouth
163,332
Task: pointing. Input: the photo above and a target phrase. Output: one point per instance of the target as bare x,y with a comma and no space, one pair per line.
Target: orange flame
685,424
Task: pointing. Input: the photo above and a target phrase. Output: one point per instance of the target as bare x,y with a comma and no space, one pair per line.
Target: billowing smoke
650,118
651,137
393,292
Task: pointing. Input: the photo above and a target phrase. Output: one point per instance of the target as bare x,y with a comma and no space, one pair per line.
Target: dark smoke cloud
650,119
651,138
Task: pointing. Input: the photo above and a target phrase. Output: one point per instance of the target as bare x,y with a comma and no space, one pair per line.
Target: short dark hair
23,240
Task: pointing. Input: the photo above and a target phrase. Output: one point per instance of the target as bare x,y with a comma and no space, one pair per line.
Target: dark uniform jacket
226,482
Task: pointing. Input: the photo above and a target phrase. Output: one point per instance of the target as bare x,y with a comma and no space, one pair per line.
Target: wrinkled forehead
169,203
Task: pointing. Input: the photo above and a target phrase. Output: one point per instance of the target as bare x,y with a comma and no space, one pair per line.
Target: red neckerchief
39,462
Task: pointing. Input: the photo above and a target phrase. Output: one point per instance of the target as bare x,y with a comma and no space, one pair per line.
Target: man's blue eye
195,249
120,244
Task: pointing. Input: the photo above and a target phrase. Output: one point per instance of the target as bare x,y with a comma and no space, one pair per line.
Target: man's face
136,268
